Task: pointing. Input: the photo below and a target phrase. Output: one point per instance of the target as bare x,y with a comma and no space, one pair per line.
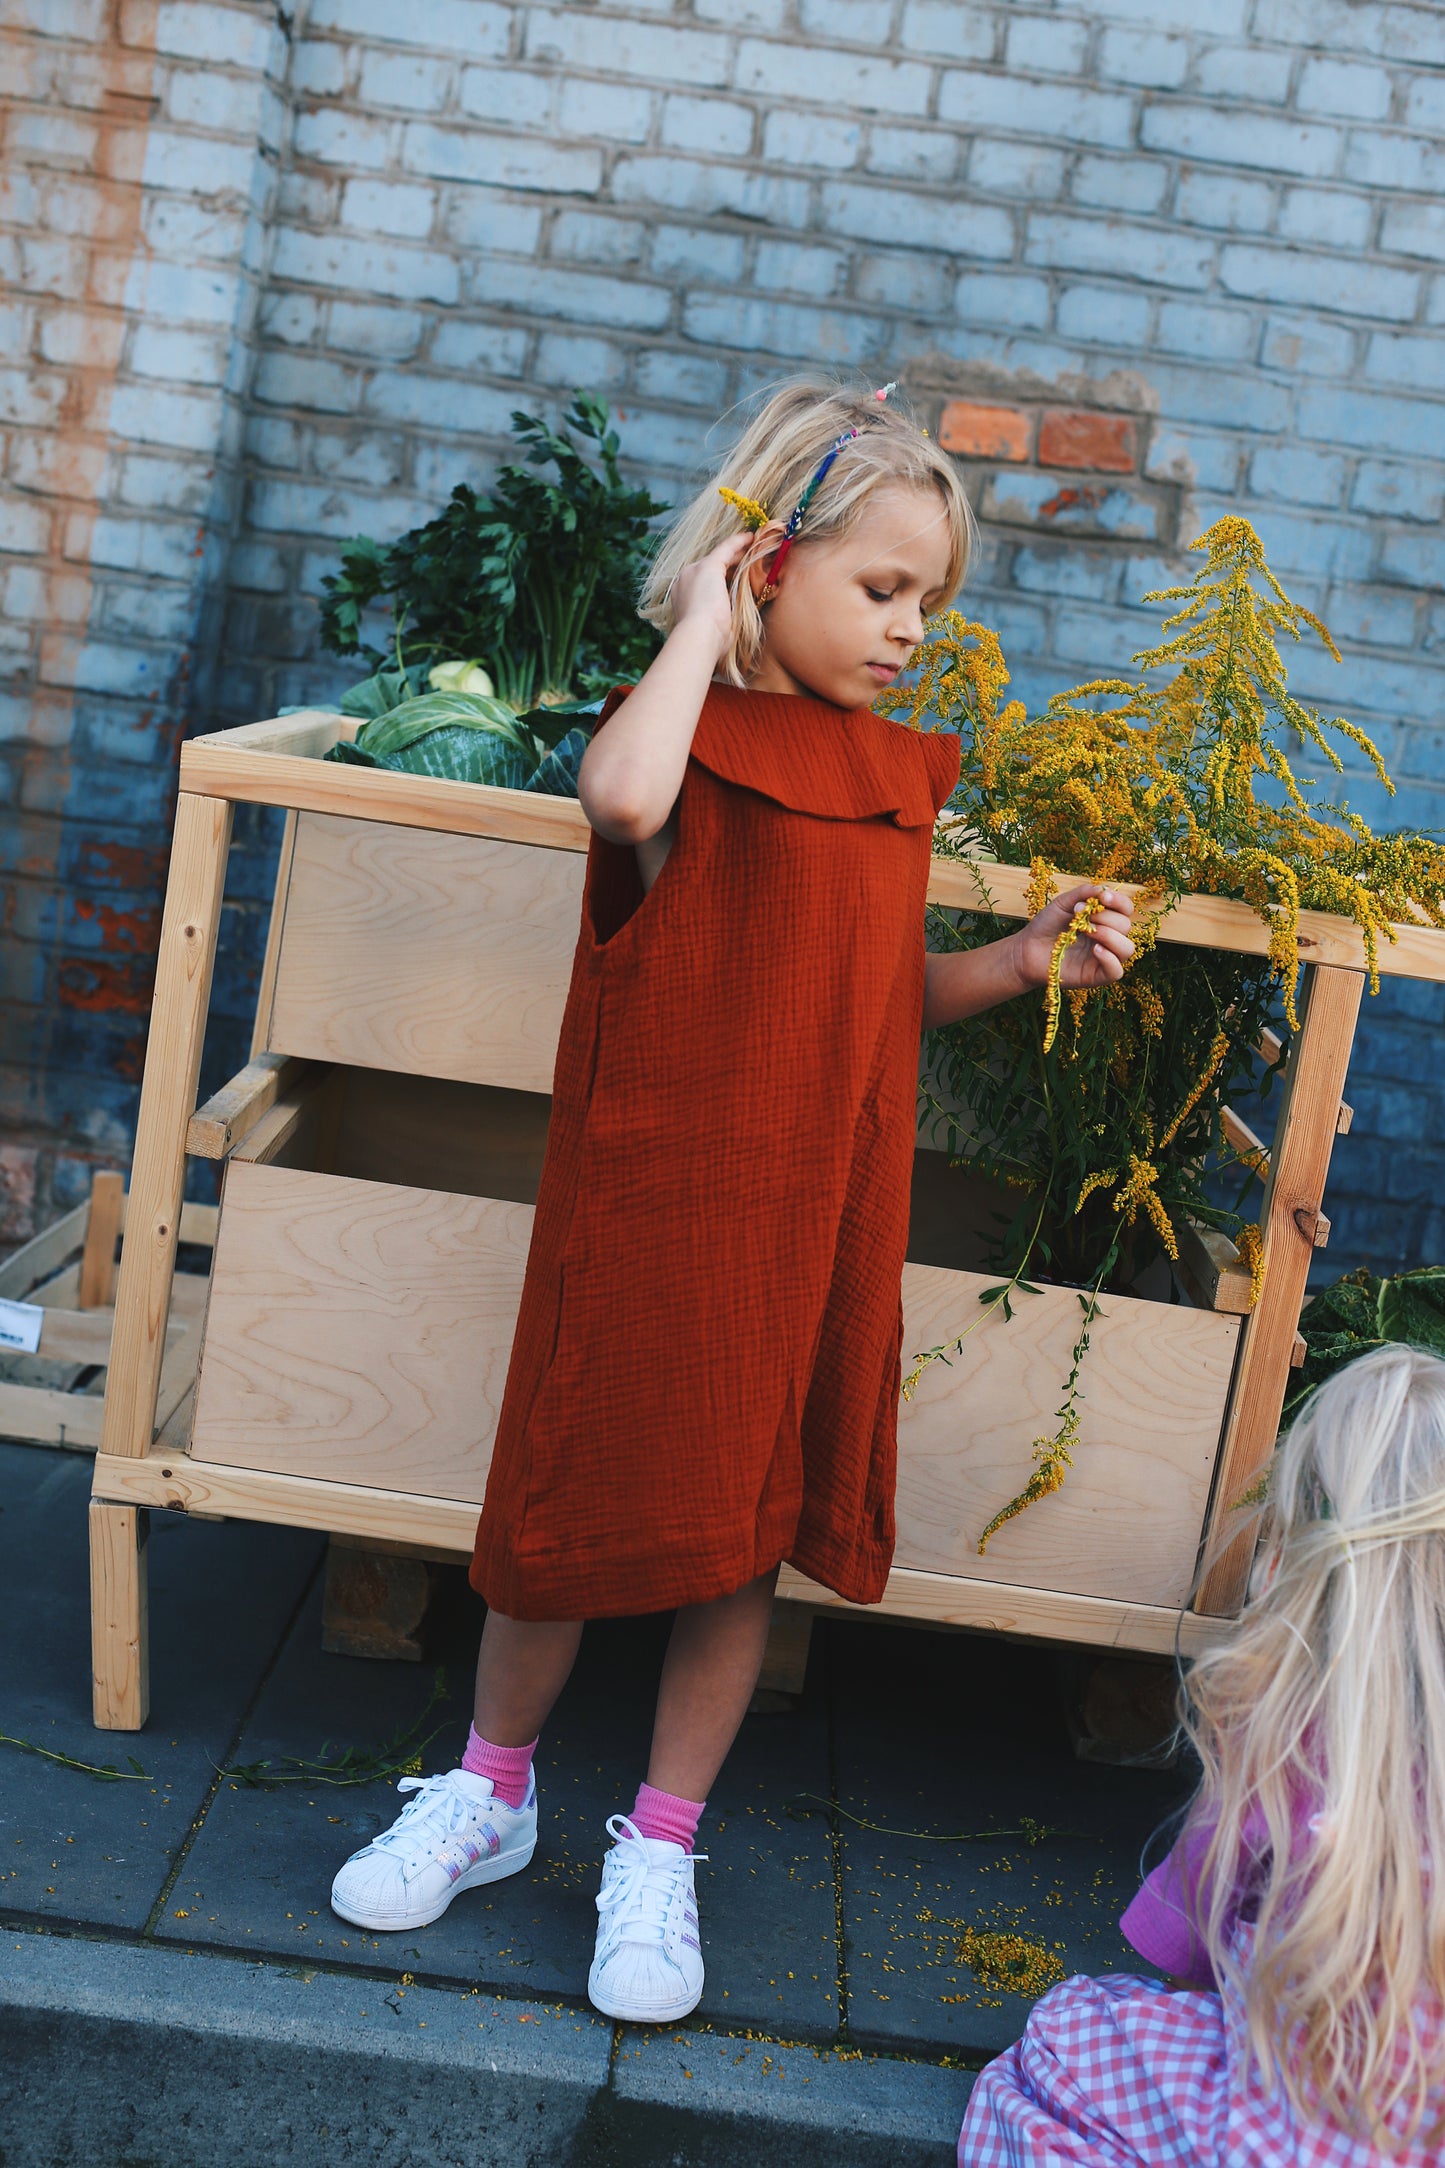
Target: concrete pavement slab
144,2054
71,1846
862,2107
943,1734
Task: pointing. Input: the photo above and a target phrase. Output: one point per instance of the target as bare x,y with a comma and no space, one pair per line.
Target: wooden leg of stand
1299,1165
785,1659
119,1624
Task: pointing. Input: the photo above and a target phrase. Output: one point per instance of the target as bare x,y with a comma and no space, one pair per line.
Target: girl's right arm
632,771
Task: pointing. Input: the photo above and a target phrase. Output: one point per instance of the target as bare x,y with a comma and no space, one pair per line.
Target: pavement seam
153,1917
835,1846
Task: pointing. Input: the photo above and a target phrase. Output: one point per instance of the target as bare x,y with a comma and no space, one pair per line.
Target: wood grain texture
43,1256
168,1094
1417,952
1036,1614
436,955
231,1113
446,1526
1299,1165
246,765
359,1330
414,801
1210,1271
275,927
1126,1523
102,1230
43,1415
119,1615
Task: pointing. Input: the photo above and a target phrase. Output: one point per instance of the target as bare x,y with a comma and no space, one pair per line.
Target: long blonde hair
772,464
1331,1695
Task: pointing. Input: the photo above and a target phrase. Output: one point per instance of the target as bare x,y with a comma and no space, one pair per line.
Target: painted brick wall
1214,234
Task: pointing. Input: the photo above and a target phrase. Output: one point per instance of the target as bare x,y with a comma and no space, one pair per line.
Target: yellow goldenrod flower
1083,918
1250,1244
752,514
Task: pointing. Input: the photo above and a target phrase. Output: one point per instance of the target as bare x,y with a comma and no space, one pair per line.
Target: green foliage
398,1756
1361,1312
539,579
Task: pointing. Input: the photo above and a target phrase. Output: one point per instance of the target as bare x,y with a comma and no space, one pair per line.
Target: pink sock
663,1814
508,1766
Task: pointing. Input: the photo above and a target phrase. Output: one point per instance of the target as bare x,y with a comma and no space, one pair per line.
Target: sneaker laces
438,1806
636,1883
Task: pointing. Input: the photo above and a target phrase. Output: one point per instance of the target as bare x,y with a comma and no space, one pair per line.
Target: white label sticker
20,1324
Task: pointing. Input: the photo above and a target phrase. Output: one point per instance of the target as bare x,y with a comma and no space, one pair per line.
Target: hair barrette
795,517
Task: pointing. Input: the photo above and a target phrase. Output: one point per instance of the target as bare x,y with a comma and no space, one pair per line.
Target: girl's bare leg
521,1669
708,1676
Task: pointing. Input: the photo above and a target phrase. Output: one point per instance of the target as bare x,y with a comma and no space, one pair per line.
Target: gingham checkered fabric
1120,2072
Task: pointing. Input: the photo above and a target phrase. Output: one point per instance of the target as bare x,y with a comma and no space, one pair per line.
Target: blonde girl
704,1378
1301,1914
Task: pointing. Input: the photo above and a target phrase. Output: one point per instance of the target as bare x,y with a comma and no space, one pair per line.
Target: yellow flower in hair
752,514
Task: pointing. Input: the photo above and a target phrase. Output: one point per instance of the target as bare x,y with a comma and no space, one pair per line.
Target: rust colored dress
704,1379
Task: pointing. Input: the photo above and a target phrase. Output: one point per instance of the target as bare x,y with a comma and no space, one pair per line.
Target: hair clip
795,517
752,514
883,394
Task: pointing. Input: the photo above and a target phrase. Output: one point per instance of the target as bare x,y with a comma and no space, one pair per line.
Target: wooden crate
382,1150
68,1271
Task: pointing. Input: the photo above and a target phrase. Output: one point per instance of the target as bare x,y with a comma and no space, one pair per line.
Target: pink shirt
1162,1921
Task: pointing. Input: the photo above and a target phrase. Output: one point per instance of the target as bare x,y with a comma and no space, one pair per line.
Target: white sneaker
648,1965
453,1835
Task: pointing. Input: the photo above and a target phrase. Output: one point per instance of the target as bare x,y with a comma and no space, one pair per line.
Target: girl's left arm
968,980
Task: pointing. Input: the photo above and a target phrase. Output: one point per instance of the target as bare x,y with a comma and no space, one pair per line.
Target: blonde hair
772,464
1331,1693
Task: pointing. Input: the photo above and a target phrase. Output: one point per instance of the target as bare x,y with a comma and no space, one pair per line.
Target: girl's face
849,611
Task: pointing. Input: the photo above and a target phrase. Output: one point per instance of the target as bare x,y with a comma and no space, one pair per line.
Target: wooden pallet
380,1153
69,1273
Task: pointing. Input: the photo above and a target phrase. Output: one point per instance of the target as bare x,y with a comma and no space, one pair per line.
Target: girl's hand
1097,954
702,596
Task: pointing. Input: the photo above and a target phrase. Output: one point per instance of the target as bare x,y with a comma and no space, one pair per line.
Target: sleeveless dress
705,1373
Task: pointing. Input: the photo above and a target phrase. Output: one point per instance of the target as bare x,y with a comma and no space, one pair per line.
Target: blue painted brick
1330,216
1104,315
1399,491
1371,422
905,282
987,297
1399,358
1121,184
1380,616
1149,58
1017,169
1300,344
1206,330
1297,475
1060,112
1361,289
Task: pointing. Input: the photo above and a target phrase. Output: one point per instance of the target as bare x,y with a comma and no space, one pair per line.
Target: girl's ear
759,574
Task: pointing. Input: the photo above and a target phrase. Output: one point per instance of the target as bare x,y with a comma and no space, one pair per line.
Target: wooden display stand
381,1155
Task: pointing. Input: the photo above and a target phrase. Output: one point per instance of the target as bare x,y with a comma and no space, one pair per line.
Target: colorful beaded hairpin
755,515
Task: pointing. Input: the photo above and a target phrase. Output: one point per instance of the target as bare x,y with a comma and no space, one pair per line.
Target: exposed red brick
984,432
1073,437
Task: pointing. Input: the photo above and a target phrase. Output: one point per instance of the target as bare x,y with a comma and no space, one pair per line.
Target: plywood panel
437,955
1126,1524
358,1330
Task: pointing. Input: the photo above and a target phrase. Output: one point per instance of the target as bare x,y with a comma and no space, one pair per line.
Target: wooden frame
287,1131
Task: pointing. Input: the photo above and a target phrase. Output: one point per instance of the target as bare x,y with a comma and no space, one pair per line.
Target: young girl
704,1379
1300,1916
